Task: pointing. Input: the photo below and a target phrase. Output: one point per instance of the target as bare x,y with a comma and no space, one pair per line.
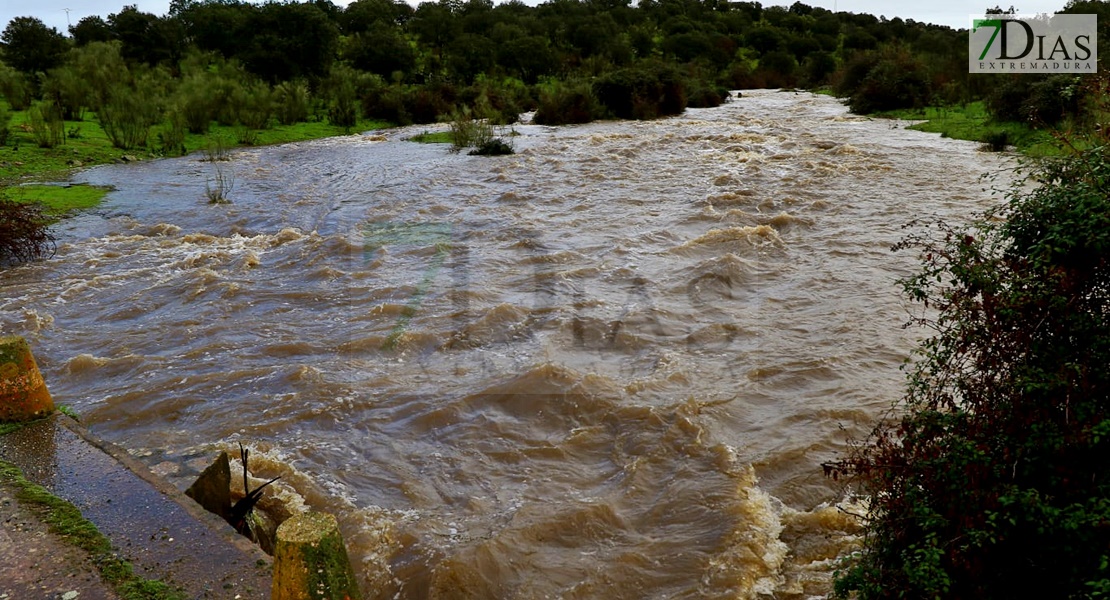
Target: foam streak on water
605,367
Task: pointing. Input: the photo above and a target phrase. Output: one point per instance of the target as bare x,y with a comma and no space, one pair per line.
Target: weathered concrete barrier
310,560
23,394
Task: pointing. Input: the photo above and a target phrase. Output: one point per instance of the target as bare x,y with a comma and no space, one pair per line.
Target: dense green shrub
505,98
646,91
1052,100
343,111
850,76
388,103
704,94
292,102
47,127
5,124
1041,100
897,80
566,102
992,482
428,103
65,88
996,141
129,113
171,135
254,105
24,231
817,69
494,147
15,88
1006,100
196,104
469,130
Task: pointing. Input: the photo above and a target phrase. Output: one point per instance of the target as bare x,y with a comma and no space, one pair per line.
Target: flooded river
605,367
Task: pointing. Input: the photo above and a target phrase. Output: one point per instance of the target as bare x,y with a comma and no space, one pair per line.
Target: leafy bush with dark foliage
994,480
646,91
1039,100
563,103
895,80
24,232
996,141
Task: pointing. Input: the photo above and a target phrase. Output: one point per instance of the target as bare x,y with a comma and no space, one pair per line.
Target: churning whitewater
608,366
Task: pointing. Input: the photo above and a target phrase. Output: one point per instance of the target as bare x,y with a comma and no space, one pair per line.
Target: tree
361,15
32,47
470,55
381,49
216,26
993,480
145,37
91,29
288,41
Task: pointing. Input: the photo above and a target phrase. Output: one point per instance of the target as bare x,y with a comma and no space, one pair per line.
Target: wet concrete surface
163,533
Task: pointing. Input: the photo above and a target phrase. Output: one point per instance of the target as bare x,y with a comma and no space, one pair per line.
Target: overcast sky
953,13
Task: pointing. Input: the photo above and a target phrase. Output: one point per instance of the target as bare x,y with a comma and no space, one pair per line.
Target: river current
608,366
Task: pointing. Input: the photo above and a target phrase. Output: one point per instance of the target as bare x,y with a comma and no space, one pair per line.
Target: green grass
59,200
972,122
23,162
442,137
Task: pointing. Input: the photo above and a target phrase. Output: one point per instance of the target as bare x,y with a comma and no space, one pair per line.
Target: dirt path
37,564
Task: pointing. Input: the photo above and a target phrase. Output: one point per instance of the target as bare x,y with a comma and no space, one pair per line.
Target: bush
897,80
67,90
196,105
343,111
430,102
46,123
563,103
470,130
254,105
849,78
15,88
494,147
1006,100
702,94
506,98
129,114
647,91
993,481
1043,101
292,102
996,141
387,103
5,124
24,232
171,136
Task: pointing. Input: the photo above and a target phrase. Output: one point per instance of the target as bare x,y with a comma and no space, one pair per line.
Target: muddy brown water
605,367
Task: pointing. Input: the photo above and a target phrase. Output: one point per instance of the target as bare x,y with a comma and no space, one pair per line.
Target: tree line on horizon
251,65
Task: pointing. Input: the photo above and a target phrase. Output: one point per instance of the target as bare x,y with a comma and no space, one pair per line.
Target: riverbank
973,123
30,173
81,519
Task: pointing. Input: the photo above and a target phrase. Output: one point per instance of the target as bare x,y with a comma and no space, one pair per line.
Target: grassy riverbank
30,173
972,122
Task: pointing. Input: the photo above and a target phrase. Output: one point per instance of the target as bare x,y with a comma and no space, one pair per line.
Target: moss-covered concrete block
310,560
23,394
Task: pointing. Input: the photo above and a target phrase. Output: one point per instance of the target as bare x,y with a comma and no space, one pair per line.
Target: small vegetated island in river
991,481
